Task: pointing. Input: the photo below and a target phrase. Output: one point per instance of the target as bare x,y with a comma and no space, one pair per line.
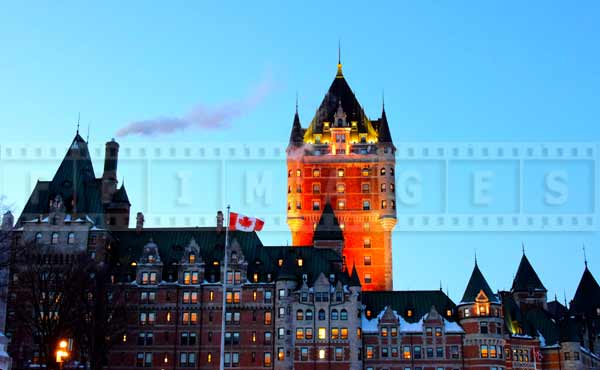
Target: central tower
344,163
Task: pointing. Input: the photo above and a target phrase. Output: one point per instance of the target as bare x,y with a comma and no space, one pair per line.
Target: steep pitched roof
385,136
476,284
354,279
418,301
339,92
74,181
587,296
121,196
526,278
297,134
328,227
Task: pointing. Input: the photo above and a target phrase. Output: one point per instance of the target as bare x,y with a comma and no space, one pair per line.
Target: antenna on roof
78,119
584,257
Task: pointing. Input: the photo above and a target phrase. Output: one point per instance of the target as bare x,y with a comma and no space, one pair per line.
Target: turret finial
523,247
585,257
475,256
78,119
296,101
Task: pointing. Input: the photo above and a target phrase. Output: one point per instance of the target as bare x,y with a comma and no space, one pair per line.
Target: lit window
316,172
383,204
341,188
382,171
268,318
267,359
406,352
484,351
322,334
340,172
192,258
383,188
341,204
255,277
321,354
367,243
299,333
367,260
316,205
280,354
211,295
384,332
438,332
298,173
368,278
366,171
409,313
335,333
300,262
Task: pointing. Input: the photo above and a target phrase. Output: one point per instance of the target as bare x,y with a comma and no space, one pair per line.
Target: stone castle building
309,306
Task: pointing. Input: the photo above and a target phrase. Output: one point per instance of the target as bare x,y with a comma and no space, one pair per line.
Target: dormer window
192,258
71,238
467,312
38,238
255,277
280,262
300,262
151,258
409,313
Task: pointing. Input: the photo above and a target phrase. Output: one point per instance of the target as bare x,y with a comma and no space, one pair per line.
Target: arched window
382,171
54,239
309,314
344,314
38,238
71,238
321,314
391,171
299,315
334,314
192,258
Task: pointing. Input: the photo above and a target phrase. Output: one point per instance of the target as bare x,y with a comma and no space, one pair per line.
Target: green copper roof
526,278
476,284
418,301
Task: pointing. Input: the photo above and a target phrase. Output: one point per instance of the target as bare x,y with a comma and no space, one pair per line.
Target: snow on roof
370,326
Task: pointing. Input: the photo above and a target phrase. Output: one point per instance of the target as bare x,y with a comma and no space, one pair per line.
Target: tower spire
296,101
585,257
78,119
523,247
339,66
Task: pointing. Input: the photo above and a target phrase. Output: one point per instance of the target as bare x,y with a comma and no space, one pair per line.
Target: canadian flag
244,223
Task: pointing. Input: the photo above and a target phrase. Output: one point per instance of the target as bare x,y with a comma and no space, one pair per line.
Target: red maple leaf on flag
245,221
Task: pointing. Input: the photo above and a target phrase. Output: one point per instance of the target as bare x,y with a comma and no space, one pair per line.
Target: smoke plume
201,116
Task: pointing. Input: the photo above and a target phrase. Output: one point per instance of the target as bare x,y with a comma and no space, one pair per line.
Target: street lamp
62,353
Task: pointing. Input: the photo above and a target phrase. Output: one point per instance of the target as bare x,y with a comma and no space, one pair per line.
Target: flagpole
224,283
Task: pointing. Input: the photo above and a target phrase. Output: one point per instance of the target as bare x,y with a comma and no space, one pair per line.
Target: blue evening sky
452,71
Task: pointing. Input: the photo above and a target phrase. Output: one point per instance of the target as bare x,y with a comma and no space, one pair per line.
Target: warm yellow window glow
133,263
335,333
300,262
299,333
124,337
344,333
321,354
211,295
322,334
209,358
341,188
215,263
340,172
409,313
168,316
341,204
254,295
280,262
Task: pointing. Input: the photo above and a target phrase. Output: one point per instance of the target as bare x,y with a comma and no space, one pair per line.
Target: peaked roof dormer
587,295
328,227
526,278
477,285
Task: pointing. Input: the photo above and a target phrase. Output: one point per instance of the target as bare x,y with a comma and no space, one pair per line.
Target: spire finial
383,99
585,257
339,66
523,247
78,119
296,101
475,256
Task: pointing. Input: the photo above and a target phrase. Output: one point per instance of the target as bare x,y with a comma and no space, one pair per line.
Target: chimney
109,176
7,221
219,221
139,222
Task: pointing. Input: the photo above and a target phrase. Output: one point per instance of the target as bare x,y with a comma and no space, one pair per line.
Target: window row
341,172
54,238
321,354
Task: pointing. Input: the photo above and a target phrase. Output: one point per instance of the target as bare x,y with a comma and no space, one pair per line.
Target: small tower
527,289
109,176
480,315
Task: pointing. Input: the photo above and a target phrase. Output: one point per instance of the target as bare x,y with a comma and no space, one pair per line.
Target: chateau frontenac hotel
327,302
